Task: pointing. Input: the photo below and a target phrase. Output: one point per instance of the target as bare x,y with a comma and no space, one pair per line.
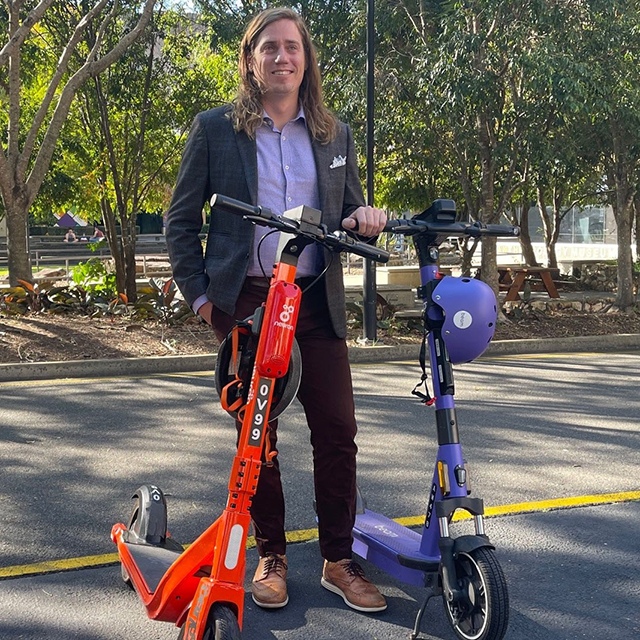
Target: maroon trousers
326,395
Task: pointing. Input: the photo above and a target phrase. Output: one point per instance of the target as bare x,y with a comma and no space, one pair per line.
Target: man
279,147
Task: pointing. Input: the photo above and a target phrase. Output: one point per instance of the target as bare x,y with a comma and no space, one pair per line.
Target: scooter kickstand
415,634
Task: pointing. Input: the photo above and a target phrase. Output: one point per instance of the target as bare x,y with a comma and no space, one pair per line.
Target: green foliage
94,276
385,313
500,96
89,295
98,245
22,299
159,301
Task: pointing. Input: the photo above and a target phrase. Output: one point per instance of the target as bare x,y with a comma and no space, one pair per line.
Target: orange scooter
201,589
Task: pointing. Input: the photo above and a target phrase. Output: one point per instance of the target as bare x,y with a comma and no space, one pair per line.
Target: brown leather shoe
269,586
346,578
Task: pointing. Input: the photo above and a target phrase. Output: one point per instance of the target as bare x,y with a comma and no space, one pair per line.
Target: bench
513,279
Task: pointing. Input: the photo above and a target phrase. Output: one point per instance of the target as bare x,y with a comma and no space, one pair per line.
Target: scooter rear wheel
480,576
221,625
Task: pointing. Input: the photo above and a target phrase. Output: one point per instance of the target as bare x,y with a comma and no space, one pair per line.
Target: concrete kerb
367,354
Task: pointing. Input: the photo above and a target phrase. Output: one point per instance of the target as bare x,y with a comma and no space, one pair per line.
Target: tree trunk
17,216
467,255
624,297
129,242
490,263
115,243
636,206
624,221
558,197
624,174
525,236
489,252
547,226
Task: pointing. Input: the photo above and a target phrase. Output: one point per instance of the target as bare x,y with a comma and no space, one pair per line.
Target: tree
133,122
413,167
608,47
474,56
31,134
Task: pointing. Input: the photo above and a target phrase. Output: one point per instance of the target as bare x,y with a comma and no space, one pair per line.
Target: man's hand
205,312
370,221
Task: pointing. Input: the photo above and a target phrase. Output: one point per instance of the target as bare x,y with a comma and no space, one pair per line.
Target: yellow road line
530,356
538,505
304,535
52,566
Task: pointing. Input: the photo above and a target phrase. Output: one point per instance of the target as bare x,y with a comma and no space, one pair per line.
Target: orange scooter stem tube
279,328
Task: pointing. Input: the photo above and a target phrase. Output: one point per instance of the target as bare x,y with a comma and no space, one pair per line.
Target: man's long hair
247,112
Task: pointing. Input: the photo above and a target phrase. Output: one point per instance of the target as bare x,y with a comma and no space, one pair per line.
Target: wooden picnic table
512,280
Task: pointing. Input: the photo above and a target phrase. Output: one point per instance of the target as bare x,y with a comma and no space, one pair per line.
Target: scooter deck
392,547
152,562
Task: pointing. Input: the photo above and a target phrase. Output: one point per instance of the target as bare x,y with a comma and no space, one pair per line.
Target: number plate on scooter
260,411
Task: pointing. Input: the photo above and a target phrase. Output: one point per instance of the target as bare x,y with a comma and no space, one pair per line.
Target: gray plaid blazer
216,159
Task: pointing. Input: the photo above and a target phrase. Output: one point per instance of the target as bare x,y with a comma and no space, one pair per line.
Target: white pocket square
338,161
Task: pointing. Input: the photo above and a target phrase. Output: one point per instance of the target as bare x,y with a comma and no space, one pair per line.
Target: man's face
278,59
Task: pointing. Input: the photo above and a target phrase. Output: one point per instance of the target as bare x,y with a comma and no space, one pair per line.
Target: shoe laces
352,568
274,564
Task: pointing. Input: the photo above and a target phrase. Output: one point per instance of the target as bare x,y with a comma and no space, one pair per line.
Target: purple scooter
459,321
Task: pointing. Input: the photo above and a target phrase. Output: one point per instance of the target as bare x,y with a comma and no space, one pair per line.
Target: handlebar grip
501,230
369,251
230,205
391,225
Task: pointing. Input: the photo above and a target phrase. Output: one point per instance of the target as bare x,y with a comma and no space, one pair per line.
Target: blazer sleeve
184,217
353,196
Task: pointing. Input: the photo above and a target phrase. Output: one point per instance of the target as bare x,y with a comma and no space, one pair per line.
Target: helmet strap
425,398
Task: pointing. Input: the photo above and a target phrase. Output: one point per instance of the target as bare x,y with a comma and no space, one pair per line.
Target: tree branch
6,182
584,197
146,106
101,29
61,69
13,133
146,185
417,28
108,139
90,68
18,37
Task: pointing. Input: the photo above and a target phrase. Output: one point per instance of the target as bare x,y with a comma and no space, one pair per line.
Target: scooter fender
467,544
150,524
450,548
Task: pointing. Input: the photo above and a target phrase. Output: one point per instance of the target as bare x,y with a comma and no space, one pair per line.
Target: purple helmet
470,312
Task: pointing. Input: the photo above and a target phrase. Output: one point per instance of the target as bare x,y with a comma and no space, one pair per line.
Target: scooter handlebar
237,207
413,227
369,251
498,230
338,241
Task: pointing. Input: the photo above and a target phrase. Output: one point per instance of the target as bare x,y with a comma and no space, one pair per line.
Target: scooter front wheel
487,615
221,625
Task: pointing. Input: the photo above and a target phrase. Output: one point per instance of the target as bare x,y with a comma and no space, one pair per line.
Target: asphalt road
534,428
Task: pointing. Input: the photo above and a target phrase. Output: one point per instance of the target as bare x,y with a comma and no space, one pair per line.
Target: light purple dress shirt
287,178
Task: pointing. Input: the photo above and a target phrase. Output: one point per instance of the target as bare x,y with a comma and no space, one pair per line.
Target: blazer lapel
321,154
249,157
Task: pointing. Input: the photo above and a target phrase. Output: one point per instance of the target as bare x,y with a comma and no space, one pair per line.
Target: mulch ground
48,337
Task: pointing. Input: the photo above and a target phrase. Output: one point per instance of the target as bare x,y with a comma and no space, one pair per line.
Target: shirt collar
267,118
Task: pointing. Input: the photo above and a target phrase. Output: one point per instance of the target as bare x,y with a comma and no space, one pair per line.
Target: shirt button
284,137
289,199
286,167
